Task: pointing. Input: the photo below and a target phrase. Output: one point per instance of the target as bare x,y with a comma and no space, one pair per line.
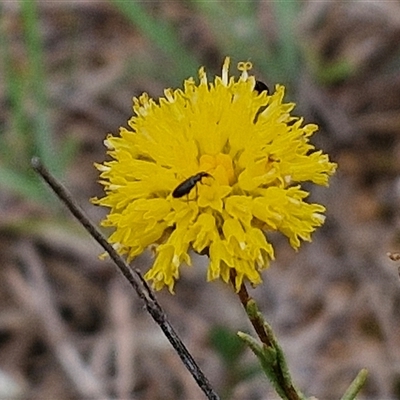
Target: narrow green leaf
21,184
162,33
43,141
356,385
286,13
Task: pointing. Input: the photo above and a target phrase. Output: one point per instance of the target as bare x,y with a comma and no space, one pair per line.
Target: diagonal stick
134,277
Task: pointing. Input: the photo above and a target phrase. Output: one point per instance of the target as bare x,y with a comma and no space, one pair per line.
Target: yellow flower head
213,167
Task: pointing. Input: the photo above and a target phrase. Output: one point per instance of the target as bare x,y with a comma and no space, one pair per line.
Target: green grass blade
162,33
43,143
286,13
241,37
23,185
12,138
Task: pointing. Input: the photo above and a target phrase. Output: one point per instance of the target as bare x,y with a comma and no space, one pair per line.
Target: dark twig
134,278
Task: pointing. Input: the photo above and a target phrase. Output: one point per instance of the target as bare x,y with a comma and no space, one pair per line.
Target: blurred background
70,326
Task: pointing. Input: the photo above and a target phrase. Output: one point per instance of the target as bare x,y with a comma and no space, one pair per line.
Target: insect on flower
187,185
261,87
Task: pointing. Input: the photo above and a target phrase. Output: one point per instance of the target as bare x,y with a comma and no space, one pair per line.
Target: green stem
270,354
356,385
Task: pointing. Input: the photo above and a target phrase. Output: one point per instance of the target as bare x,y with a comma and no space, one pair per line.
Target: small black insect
187,185
261,87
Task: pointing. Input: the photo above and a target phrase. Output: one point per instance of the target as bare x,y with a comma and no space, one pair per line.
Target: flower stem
257,323
270,354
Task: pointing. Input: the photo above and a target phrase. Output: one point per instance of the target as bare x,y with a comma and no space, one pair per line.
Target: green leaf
356,385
